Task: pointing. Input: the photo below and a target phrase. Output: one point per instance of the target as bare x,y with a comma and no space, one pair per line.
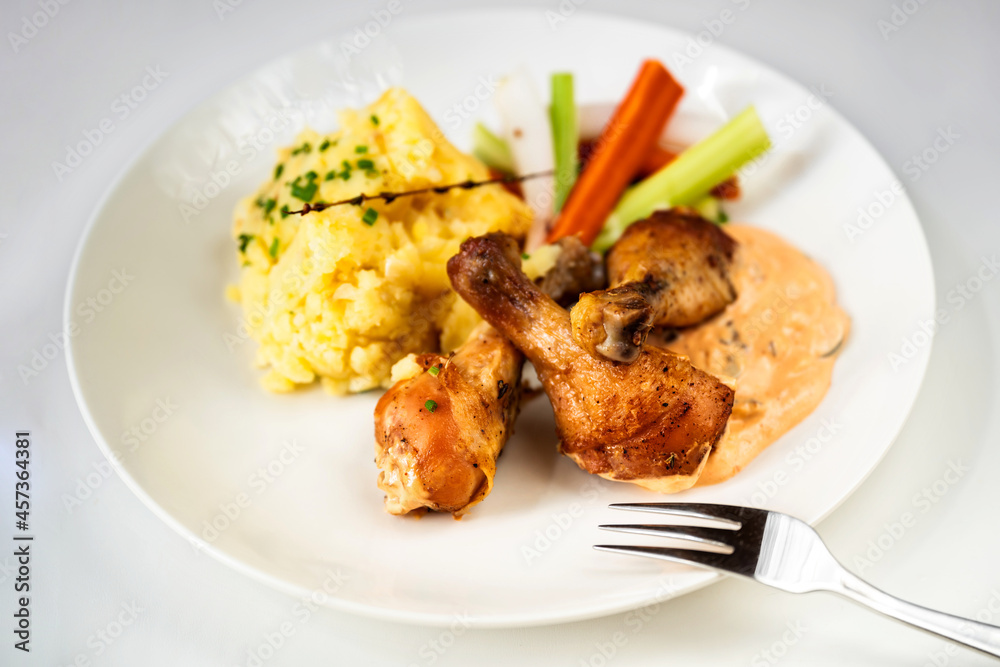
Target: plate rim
436,619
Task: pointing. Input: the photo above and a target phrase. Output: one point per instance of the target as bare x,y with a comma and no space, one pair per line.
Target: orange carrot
656,158
625,141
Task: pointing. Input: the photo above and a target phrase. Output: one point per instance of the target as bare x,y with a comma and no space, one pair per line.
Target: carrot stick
656,158
634,127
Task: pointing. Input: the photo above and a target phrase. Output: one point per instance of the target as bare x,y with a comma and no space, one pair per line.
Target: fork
786,553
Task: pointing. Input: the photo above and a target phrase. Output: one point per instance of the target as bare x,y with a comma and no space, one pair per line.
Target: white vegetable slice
528,133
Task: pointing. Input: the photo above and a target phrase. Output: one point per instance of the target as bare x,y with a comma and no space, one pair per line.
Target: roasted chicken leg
438,433
652,422
670,270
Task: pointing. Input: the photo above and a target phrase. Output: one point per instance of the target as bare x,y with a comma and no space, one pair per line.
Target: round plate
282,487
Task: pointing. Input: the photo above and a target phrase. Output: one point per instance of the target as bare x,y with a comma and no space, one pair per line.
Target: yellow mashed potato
343,294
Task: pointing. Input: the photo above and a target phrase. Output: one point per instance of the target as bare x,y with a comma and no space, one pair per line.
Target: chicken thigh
669,270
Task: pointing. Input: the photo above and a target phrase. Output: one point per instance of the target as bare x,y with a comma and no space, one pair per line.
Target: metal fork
786,553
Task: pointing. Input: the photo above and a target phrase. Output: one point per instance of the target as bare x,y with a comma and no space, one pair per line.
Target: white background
937,71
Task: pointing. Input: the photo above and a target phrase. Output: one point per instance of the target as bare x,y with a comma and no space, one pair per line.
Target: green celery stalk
688,178
565,136
491,149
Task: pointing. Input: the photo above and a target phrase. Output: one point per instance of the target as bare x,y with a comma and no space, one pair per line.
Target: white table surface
109,554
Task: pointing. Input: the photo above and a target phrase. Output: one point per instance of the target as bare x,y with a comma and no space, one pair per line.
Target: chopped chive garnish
304,148
273,250
374,119
305,191
346,174
277,171
370,216
244,241
366,164
269,205
434,370
284,211
323,146
525,255
723,218
431,406
360,149
330,175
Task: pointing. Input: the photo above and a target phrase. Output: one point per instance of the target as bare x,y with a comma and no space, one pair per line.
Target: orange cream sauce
778,342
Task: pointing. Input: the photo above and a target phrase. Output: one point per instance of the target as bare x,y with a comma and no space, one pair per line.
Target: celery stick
709,208
491,149
565,135
696,171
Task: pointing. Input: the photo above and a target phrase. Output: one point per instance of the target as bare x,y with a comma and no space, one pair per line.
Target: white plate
524,556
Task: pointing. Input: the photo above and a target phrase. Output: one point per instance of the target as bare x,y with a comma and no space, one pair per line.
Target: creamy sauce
778,342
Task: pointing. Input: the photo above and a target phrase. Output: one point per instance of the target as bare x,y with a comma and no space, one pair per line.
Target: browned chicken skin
670,270
652,422
444,458
437,437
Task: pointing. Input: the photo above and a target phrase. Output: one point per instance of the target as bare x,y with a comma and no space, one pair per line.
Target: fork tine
710,536
710,559
730,514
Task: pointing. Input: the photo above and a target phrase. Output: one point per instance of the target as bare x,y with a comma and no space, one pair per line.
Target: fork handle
980,636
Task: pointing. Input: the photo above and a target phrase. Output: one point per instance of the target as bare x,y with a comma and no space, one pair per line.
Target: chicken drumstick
652,422
438,434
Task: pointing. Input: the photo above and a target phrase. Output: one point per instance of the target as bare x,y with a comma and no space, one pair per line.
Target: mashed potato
344,293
